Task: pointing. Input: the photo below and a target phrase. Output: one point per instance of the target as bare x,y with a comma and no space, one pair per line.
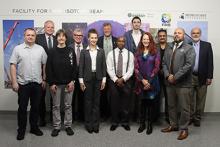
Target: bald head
179,35
196,34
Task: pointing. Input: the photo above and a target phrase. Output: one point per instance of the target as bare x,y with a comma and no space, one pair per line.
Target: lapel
45,41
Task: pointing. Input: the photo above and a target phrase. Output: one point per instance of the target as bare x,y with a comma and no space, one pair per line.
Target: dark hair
107,24
92,31
152,45
162,30
136,17
31,29
61,31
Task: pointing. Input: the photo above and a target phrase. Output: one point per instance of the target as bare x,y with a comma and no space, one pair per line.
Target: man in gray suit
177,64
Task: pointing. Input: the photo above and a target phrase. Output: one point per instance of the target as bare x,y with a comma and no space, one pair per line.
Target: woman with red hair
147,65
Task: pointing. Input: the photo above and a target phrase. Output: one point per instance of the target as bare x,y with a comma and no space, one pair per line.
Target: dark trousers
92,102
104,101
32,91
164,90
120,103
146,110
42,106
77,103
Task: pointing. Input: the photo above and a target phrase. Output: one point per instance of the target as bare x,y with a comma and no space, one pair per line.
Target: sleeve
44,56
164,64
189,63
74,65
14,57
81,66
156,65
210,62
130,71
49,68
110,66
138,75
104,67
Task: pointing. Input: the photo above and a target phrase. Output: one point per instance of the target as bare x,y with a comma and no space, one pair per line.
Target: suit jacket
129,42
85,67
41,40
205,67
183,64
100,42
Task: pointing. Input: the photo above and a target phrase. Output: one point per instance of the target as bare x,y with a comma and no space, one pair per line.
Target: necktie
120,65
172,59
77,53
49,43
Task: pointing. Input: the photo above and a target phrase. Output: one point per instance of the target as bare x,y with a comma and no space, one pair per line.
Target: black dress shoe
55,132
69,131
113,127
36,132
96,130
141,128
20,136
126,127
149,129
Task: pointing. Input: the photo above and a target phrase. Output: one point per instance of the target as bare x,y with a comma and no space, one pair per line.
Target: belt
195,73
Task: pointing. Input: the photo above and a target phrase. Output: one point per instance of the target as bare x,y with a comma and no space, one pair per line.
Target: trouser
179,96
92,102
198,98
120,103
67,98
104,101
146,106
78,103
33,91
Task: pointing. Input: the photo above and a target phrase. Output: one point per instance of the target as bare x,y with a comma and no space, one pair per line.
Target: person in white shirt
120,67
26,64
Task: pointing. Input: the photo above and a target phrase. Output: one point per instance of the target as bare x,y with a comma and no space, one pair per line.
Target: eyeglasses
78,35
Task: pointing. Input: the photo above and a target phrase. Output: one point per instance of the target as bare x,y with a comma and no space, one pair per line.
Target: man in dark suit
92,78
47,41
77,103
202,75
108,43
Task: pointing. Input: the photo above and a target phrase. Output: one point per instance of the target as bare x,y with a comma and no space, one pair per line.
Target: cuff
81,80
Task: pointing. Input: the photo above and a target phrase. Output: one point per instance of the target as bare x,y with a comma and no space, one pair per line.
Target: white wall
8,99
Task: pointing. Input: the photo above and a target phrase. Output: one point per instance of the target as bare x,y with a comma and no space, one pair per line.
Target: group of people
123,78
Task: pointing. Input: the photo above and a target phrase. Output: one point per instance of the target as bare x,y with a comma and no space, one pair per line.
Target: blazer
183,64
41,40
85,65
205,67
129,42
100,42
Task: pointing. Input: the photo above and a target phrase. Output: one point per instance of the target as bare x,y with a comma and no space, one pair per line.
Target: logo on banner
136,14
193,16
166,19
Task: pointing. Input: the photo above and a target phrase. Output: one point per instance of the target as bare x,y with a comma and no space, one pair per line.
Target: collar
109,37
27,46
80,45
48,36
88,48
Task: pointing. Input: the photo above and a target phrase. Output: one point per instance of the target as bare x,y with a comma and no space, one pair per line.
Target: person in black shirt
61,73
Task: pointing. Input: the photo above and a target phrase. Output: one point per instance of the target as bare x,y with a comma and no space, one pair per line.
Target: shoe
183,135
96,130
42,123
55,132
69,131
36,132
90,131
169,129
141,128
149,129
126,127
113,127
20,136
196,123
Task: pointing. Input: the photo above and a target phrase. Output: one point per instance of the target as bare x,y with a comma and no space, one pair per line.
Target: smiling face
179,35
61,38
29,36
196,34
136,24
77,36
49,28
162,37
93,38
107,30
145,40
121,42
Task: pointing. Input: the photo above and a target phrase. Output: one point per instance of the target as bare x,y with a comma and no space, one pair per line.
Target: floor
208,135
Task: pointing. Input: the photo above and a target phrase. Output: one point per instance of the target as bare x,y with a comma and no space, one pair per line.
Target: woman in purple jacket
147,62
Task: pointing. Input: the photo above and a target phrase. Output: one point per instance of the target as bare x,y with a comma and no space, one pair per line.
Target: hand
82,86
43,84
53,88
208,81
70,86
171,79
120,82
102,85
15,86
145,82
